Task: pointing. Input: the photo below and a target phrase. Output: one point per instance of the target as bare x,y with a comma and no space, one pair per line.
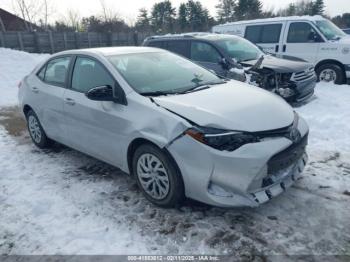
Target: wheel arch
26,109
136,143
330,61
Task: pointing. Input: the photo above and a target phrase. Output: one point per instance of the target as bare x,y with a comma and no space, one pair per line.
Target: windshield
240,49
329,30
161,72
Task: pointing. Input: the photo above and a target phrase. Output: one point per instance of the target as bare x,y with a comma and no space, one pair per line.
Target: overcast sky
128,9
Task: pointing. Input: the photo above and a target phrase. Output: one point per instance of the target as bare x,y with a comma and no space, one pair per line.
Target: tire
37,132
329,73
165,180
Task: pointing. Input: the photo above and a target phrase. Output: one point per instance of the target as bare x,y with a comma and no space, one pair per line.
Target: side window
253,32
271,34
179,47
88,74
203,52
301,32
56,71
41,73
263,34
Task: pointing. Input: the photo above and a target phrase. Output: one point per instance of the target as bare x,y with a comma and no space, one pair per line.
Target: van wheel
157,176
36,131
330,73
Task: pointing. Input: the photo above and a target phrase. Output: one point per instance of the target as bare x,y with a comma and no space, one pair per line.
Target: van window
252,33
203,52
179,47
271,34
301,32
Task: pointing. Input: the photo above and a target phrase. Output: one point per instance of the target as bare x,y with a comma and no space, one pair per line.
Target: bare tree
73,19
34,11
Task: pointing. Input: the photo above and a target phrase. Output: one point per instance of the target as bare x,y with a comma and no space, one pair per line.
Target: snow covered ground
60,201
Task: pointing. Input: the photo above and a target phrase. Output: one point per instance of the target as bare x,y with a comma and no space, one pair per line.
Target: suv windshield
329,30
240,49
159,73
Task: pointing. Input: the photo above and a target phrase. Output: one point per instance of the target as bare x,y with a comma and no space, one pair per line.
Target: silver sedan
179,129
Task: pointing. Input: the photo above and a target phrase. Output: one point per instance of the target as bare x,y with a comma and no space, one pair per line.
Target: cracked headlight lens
221,139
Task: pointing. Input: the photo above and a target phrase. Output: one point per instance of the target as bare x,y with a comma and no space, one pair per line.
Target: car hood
231,106
280,65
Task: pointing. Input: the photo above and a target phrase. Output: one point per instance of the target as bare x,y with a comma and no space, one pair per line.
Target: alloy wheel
34,129
153,176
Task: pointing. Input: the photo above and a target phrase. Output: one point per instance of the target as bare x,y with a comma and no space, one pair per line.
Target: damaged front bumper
247,176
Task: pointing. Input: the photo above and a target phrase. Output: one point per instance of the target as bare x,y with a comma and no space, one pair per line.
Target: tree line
190,16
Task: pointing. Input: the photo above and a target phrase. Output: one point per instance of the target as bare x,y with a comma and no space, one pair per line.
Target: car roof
276,19
195,35
110,51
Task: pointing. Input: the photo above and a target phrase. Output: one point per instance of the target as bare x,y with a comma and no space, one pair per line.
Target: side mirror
314,37
105,93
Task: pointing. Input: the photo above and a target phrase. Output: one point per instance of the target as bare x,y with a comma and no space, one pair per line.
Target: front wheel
331,73
36,131
157,176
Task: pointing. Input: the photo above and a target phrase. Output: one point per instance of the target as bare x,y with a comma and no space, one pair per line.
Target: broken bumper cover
232,179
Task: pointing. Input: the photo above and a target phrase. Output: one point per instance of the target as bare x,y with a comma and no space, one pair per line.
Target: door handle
69,101
284,48
277,48
35,89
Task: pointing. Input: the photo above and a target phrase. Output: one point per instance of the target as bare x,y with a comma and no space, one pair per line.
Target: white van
311,38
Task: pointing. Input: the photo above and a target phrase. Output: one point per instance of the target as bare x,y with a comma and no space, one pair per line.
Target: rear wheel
331,73
157,176
36,131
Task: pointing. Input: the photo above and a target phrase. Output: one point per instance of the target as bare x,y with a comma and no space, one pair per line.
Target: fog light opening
218,191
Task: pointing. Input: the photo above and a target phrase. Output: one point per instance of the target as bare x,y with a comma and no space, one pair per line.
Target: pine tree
317,7
163,17
182,18
197,16
226,10
248,9
143,21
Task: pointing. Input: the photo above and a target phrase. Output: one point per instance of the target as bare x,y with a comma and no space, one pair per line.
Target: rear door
93,126
267,36
46,95
301,40
207,56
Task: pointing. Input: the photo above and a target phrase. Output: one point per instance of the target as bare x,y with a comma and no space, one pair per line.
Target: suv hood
232,106
280,65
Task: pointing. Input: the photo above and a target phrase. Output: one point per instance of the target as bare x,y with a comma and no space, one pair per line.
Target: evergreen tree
143,21
197,16
317,7
226,10
182,18
163,17
248,9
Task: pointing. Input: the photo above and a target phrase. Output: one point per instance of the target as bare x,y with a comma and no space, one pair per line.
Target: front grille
287,157
304,75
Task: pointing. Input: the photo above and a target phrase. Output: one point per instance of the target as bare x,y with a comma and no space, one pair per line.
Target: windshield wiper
156,93
202,87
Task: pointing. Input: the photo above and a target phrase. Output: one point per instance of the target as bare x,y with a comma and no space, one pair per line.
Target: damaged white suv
180,130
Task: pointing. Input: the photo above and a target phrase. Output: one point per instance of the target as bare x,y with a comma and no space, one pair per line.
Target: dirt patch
12,119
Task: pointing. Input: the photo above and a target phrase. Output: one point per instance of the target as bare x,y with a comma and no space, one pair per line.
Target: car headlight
221,139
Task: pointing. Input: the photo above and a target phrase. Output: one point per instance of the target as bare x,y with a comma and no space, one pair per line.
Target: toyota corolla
179,129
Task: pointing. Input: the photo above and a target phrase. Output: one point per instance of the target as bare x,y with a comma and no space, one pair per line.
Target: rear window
263,34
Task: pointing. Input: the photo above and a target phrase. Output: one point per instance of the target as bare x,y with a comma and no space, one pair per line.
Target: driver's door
92,126
301,40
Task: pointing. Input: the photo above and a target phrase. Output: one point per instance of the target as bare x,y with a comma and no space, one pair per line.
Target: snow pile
14,65
328,116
